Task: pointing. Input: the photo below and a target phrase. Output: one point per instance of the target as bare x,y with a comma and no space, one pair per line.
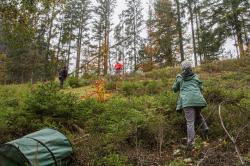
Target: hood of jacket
187,74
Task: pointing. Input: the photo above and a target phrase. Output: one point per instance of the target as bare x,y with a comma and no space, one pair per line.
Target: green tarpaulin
46,147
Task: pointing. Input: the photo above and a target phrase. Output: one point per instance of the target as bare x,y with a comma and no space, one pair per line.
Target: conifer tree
134,22
81,16
179,28
165,30
191,12
104,11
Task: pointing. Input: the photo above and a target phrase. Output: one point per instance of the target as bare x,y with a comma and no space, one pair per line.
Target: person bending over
191,101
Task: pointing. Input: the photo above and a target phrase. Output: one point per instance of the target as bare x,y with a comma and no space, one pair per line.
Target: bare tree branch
230,136
206,153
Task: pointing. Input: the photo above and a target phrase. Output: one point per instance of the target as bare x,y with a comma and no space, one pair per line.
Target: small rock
177,152
205,144
188,160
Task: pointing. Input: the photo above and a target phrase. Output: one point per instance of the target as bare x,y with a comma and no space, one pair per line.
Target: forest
38,37
126,115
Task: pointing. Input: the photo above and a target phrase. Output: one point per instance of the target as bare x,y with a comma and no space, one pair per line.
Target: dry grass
82,91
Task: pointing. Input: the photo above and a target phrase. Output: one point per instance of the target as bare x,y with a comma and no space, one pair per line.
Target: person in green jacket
191,101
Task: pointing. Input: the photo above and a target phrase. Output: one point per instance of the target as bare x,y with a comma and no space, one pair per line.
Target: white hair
186,65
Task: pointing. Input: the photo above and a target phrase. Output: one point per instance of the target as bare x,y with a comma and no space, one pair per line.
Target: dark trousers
61,83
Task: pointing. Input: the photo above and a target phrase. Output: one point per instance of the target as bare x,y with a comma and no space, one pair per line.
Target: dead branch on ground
230,136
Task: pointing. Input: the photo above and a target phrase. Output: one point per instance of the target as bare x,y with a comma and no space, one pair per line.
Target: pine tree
198,22
149,48
68,28
165,30
119,37
210,32
81,16
229,14
18,36
134,22
98,36
179,28
104,11
191,12
235,9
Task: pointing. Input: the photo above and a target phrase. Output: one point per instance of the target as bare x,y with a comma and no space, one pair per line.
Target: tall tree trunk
150,37
99,56
58,49
244,29
240,43
78,54
135,57
47,54
202,54
105,54
179,28
239,36
192,28
123,56
79,45
238,29
106,39
198,31
236,45
69,52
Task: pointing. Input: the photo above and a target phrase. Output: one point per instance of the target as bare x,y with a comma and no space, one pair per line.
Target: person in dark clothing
63,74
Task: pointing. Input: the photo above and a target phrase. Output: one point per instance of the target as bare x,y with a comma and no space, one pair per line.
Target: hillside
137,123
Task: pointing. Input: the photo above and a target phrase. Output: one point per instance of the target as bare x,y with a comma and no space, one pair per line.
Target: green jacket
190,92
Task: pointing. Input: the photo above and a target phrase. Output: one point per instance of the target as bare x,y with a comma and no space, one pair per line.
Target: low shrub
214,94
177,163
134,120
241,65
163,73
245,103
143,88
47,101
132,88
90,108
117,123
20,123
113,160
110,85
74,82
8,98
154,87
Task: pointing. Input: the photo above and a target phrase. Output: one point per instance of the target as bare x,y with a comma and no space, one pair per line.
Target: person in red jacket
118,68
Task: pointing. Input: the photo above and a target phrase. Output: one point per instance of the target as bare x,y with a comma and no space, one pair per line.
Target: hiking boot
204,134
189,147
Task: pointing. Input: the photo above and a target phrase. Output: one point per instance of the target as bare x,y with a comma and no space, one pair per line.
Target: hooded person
191,101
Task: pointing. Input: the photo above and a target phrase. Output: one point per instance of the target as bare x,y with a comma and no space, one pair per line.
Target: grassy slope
135,97
223,81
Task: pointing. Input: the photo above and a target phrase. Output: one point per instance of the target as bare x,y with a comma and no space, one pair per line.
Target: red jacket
118,66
